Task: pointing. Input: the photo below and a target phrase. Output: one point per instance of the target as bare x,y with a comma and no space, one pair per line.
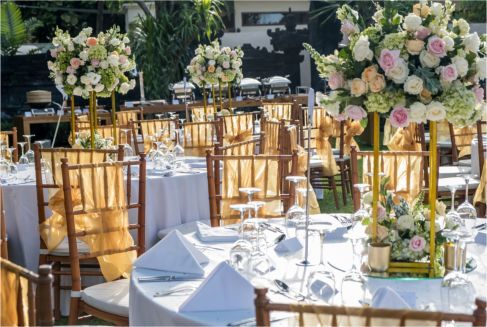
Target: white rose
71,79
417,112
70,46
84,80
471,42
104,64
428,60
58,80
78,91
124,88
50,65
413,85
333,109
226,64
125,39
89,88
461,64
113,60
405,222
399,73
435,111
463,26
481,65
83,55
115,42
449,43
361,50
436,8
412,22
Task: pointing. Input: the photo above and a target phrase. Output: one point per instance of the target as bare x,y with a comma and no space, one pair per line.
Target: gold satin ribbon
153,128
5,142
324,124
464,141
198,113
13,285
238,128
480,194
100,192
262,173
198,138
314,207
278,111
124,117
351,129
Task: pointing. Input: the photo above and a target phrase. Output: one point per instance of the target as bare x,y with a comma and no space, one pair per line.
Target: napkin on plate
323,289
174,253
215,234
481,237
288,245
224,289
336,235
387,298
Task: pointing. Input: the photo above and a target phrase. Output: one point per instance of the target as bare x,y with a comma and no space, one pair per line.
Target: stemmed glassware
321,281
29,154
353,283
127,149
23,160
178,148
362,212
466,210
250,191
242,249
295,212
453,215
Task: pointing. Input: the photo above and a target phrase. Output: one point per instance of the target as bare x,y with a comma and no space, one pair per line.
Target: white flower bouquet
86,63
413,68
205,68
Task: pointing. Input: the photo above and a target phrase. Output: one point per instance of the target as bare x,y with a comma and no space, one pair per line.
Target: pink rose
95,62
347,27
53,53
75,63
417,243
422,33
437,46
335,81
449,73
122,59
388,59
128,50
91,41
479,93
399,117
70,70
355,112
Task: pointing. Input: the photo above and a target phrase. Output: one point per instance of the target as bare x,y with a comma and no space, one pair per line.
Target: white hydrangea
481,66
412,22
472,42
405,222
461,64
417,112
361,50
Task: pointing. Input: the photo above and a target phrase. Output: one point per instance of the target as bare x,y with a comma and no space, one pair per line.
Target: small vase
379,256
449,259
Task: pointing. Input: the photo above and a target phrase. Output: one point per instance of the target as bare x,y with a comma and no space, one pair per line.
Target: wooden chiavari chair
325,315
5,137
237,128
26,296
270,136
3,230
148,128
124,117
410,174
48,182
278,111
461,140
97,198
198,137
198,113
480,194
266,172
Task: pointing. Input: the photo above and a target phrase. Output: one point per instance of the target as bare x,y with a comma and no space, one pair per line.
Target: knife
167,278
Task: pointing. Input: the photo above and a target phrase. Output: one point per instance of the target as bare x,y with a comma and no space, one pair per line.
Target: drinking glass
178,148
453,215
466,210
127,149
29,154
11,154
241,208
250,191
240,255
295,212
159,116
255,206
362,212
23,160
353,283
457,291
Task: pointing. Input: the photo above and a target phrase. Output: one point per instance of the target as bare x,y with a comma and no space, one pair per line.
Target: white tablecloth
170,201
144,309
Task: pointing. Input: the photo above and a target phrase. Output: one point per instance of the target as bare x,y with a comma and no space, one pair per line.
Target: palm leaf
12,26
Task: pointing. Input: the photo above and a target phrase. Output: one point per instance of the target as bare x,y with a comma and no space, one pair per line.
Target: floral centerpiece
83,141
413,68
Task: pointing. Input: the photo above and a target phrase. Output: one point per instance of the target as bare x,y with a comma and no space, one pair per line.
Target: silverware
282,286
271,228
481,226
174,291
278,239
167,278
208,247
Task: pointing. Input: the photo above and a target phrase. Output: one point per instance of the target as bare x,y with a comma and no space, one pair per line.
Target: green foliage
13,32
429,78
471,11
163,45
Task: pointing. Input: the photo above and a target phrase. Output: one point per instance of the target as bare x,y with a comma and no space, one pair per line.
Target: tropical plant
13,32
164,44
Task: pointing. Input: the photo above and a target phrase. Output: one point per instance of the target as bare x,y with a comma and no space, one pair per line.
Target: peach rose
91,41
378,83
425,96
421,10
369,73
211,69
357,87
414,46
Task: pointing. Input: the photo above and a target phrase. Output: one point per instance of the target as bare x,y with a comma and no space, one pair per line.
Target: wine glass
127,149
295,212
457,290
255,206
353,282
362,212
11,154
29,154
178,148
321,281
23,160
453,215
159,116
466,210
250,191
241,208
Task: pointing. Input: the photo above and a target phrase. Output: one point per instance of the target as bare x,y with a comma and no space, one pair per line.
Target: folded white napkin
336,235
215,234
224,289
325,219
174,253
323,290
481,237
288,245
387,298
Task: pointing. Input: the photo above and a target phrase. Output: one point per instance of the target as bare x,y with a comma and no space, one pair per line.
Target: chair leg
331,180
57,293
73,311
343,184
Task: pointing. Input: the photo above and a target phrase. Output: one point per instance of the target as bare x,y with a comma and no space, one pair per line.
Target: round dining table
146,308
171,199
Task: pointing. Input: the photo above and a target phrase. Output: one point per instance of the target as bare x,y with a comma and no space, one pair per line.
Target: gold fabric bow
324,124
351,129
480,193
238,128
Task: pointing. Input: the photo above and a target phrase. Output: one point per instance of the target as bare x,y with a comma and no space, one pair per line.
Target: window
272,18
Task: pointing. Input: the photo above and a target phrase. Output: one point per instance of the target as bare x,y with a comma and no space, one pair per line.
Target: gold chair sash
256,172
198,113
443,131
464,140
278,111
351,129
481,192
198,138
389,132
151,128
324,124
238,128
100,193
4,141
14,285
124,117
271,137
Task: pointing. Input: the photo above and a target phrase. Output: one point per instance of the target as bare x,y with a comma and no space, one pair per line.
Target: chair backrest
152,127
407,170
124,117
461,139
244,148
481,133
279,111
200,114
326,315
237,127
9,138
51,160
266,172
3,229
97,199
198,137
270,135
26,296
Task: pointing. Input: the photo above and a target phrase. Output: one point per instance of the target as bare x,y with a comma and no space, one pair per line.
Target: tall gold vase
114,119
73,123
92,115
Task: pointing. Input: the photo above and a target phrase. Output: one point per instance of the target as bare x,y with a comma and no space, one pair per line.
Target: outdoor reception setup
190,176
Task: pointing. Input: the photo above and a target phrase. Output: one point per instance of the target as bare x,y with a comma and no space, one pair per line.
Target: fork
175,291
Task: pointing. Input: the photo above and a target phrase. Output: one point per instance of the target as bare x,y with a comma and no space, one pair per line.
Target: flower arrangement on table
213,65
406,227
420,67
83,141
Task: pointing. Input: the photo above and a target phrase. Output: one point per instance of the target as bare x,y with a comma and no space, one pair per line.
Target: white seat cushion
63,248
112,297
444,182
453,171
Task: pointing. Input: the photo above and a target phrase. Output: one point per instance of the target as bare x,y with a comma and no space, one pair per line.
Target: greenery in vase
83,141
